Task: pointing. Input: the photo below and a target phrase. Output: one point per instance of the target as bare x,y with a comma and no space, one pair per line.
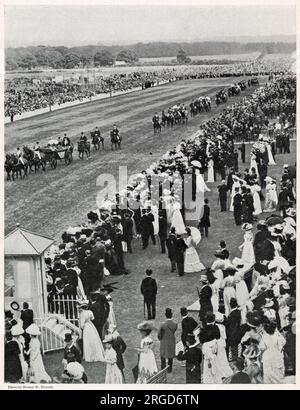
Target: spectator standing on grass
204,222
166,335
188,325
149,291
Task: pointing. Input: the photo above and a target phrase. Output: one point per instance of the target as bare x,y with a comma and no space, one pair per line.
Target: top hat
68,337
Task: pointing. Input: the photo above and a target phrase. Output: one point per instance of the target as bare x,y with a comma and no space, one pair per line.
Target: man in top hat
242,148
100,308
166,335
233,330
237,207
210,330
171,245
128,230
223,195
149,291
205,296
27,319
204,222
180,248
193,357
72,352
162,229
188,325
146,226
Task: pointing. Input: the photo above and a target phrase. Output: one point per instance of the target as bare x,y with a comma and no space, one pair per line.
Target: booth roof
21,242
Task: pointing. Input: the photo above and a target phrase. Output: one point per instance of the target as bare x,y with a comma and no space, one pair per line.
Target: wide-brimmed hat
82,303
75,370
268,303
247,227
17,330
33,330
196,164
219,317
203,279
251,352
237,262
145,326
68,337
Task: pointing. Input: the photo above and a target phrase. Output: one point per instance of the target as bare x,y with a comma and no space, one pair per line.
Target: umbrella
196,235
53,142
274,220
196,164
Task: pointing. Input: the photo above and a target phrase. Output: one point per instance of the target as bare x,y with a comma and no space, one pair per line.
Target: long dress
111,316
93,350
155,222
177,220
113,374
247,248
21,342
215,295
272,357
241,290
147,364
229,293
270,155
210,172
253,164
191,261
36,362
255,189
271,198
211,371
200,184
223,365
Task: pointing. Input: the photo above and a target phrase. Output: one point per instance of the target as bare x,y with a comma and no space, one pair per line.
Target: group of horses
199,105
174,116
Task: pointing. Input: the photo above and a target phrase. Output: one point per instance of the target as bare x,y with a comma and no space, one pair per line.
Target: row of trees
64,57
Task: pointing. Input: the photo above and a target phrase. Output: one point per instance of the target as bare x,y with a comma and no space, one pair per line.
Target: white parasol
196,235
53,142
196,164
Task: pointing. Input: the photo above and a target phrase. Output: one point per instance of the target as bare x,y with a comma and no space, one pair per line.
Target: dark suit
149,291
233,333
205,302
188,325
27,318
237,208
205,220
180,247
171,245
223,197
209,333
163,229
100,309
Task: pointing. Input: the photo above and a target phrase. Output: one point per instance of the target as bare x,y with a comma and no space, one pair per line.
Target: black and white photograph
149,182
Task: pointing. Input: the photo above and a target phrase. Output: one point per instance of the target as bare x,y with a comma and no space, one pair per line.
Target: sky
82,25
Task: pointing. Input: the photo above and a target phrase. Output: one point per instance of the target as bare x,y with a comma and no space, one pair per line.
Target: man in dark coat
146,226
180,248
117,244
163,229
233,330
223,195
205,299
27,318
166,336
188,325
230,179
204,222
243,152
210,330
128,231
263,172
193,357
100,308
171,245
237,207
149,291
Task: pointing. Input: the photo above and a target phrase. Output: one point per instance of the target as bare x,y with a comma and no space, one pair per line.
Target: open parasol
196,235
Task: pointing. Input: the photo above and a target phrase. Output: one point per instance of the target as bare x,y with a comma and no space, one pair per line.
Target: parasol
196,164
196,235
53,142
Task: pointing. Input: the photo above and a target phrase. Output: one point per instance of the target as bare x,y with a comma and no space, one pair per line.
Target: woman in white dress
229,293
253,163
247,246
211,372
146,361
200,184
271,195
177,220
255,189
215,287
36,365
223,365
154,209
113,374
241,290
271,346
236,184
270,155
17,331
191,260
93,350
210,171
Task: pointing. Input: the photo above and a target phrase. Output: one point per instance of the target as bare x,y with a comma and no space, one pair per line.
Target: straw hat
247,227
17,330
219,317
33,330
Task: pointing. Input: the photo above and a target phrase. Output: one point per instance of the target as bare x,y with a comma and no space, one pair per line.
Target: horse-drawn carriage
54,152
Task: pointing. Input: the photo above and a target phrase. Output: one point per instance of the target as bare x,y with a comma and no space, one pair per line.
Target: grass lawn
174,291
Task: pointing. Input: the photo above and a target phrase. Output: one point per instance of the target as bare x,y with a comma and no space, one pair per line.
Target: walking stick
144,310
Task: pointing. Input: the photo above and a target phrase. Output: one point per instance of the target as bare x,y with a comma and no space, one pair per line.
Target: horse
184,117
33,159
83,148
177,117
116,142
156,127
97,140
14,166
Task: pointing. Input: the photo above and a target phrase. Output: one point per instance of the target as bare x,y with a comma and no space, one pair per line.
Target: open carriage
54,152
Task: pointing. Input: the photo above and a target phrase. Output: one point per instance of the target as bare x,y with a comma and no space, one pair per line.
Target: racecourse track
48,202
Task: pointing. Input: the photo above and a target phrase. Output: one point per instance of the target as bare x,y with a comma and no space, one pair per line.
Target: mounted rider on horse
156,124
115,138
97,139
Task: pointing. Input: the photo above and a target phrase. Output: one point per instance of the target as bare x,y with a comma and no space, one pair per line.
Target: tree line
99,55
